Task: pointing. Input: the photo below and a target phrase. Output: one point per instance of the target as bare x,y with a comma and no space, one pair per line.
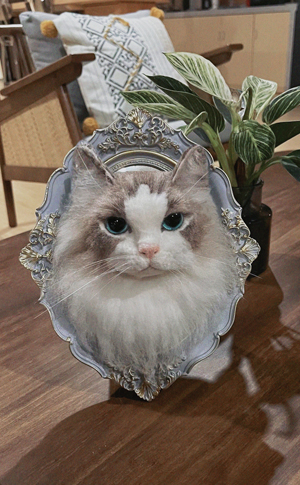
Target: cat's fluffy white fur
138,312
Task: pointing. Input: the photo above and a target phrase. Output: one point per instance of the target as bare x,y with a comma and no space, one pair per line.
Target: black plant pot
258,218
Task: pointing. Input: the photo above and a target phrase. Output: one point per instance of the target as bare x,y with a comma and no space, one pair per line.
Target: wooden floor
234,421
29,196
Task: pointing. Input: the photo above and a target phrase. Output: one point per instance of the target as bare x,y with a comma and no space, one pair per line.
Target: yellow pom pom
48,29
89,125
158,13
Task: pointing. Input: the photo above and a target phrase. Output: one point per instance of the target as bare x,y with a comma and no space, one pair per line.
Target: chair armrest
222,54
30,89
11,29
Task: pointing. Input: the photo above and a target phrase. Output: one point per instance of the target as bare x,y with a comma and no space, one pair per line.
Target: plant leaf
166,82
239,107
223,109
173,111
158,103
253,142
145,96
194,103
281,105
202,135
249,94
195,123
285,131
200,72
291,163
262,93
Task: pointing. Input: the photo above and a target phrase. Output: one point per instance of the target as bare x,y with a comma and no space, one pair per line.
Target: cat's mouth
145,273
150,271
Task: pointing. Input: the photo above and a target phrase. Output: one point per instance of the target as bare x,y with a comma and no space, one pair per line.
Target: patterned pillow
127,50
44,51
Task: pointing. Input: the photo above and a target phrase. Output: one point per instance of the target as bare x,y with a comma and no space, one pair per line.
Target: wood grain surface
235,420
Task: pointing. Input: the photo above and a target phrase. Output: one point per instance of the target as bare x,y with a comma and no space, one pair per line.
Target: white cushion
126,51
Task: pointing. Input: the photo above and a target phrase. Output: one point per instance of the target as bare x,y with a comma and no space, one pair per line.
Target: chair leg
8,193
10,205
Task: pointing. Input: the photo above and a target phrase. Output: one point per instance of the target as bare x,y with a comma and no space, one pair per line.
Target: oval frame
139,139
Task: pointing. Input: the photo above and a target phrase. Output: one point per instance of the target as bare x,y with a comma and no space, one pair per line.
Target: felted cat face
140,223
142,263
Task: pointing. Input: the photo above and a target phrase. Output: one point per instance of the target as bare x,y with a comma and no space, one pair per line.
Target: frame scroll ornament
247,249
37,255
129,132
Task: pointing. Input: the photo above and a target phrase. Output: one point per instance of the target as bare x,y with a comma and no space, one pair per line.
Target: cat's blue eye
116,225
173,221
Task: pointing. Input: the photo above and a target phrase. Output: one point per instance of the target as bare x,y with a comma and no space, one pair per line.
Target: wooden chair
37,119
10,9
15,57
38,125
16,61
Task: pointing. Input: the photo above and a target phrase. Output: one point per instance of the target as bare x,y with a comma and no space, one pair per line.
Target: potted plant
252,113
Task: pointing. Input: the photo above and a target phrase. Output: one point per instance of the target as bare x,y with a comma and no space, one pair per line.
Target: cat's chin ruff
141,326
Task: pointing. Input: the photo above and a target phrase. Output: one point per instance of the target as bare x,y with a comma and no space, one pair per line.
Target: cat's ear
192,169
85,159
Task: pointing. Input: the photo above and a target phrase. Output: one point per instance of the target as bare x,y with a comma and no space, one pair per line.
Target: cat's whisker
88,170
72,273
255,276
115,258
76,291
180,276
99,262
108,264
177,276
177,272
40,314
100,275
91,281
114,278
68,296
116,269
192,186
82,287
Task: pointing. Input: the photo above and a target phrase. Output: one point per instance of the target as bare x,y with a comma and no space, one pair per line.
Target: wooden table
105,7
234,421
96,7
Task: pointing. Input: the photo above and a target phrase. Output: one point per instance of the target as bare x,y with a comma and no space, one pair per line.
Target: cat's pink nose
149,250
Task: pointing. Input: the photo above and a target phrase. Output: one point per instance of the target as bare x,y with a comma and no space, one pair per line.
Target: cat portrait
142,264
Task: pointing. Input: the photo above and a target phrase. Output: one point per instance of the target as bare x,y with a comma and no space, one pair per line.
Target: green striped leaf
172,111
159,104
166,82
145,96
223,109
291,163
285,131
262,93
196,123
194,103
281,105
201,73
253,142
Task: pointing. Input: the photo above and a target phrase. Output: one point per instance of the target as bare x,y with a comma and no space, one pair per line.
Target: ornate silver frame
139,139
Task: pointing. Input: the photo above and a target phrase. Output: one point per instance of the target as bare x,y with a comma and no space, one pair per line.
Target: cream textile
127,50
